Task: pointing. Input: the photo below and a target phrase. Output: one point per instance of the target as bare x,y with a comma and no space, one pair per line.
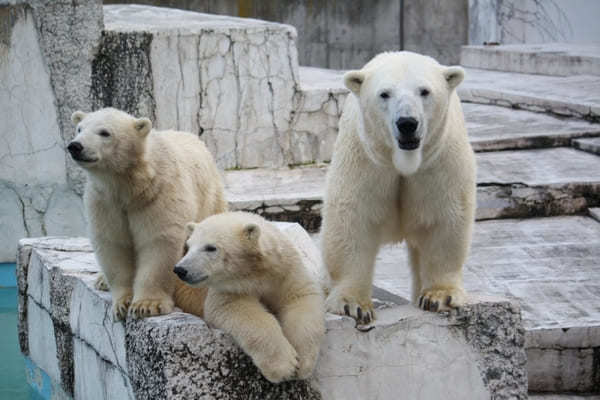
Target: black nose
74,148
181,272
407,126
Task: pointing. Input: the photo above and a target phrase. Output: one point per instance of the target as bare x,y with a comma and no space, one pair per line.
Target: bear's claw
100,283
120,307
361,311
150,307
441,299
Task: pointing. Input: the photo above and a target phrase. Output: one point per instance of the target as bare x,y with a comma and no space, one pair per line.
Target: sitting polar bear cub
259,291
402,169
143,187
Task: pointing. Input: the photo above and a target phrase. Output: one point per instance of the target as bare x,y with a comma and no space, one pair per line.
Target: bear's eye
210,248
424,92
104,133
186,248
78,129
384,95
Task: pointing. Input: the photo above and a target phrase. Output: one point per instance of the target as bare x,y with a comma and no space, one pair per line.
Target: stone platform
511,184
558,59
66,329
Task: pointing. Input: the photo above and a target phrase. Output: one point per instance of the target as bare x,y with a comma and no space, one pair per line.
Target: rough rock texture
45,67
558,59
548,265
591,145
478,349
573,96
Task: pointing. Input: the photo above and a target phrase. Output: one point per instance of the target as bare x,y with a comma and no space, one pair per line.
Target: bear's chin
407,162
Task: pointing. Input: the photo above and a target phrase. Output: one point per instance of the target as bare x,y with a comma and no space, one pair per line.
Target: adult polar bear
402,169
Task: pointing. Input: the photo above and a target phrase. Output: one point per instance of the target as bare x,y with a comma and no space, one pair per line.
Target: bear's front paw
342,303
101,283
441,298
120,307
150,307
282,367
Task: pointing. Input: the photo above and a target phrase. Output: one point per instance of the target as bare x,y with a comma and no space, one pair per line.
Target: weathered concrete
500,128
550,265
559,59
511,184
435,28
577,96
591,145
44,76
595,213
479,350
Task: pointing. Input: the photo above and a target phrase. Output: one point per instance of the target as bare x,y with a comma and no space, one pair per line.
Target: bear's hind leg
256,331
413,259
303,324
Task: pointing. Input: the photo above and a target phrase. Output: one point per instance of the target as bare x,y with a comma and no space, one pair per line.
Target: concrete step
591,145
72,343
551,265
559,59
539,396
573,96
511,184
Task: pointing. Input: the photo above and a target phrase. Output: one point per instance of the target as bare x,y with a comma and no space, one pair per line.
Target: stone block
478,350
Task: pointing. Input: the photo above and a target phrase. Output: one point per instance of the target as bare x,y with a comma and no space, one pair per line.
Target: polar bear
142,187
402,169
259,291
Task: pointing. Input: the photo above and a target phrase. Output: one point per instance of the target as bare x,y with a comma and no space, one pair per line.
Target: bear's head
223,252
404,99
108,139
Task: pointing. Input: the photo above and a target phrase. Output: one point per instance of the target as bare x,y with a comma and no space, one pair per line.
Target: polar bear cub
402,169
143,187
259,291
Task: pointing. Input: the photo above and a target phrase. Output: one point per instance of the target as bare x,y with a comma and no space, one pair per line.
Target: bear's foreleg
303,324
154,282
349,251
256,331
438,257
118,266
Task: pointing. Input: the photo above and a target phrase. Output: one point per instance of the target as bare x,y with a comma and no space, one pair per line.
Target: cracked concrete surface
177,355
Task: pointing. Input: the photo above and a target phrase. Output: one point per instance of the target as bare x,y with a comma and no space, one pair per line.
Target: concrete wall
534,21
347,34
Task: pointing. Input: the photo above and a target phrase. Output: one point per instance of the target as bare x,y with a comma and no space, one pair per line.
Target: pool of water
13,380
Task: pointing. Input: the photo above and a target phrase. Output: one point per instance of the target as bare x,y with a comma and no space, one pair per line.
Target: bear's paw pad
121,306
150,307
441,299
101,283
359,309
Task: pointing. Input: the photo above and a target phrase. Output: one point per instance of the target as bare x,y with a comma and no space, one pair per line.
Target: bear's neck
135,185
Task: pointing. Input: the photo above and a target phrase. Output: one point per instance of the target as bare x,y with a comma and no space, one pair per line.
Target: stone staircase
271,126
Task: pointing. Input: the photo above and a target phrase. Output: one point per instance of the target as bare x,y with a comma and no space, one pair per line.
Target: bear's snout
75,149
407,125
181,272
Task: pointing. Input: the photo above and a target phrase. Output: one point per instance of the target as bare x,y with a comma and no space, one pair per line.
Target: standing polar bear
143,187
260,291
402,169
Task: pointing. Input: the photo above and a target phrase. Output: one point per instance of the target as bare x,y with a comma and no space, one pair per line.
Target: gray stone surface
435,28
550,265
511,184
493,128
479,349
576,96
559,59
595,213
591,145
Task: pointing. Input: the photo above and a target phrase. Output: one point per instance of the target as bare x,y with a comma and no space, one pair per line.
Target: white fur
143,186
259,291
379,193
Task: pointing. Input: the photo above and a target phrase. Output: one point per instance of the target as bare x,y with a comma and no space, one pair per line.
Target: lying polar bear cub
402,169
259,291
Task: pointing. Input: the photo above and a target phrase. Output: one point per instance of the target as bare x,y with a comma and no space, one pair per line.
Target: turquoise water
13,381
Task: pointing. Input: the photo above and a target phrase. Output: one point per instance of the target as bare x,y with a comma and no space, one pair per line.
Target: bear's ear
77,116
353,80
251,232
454,76
142,126
189,229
